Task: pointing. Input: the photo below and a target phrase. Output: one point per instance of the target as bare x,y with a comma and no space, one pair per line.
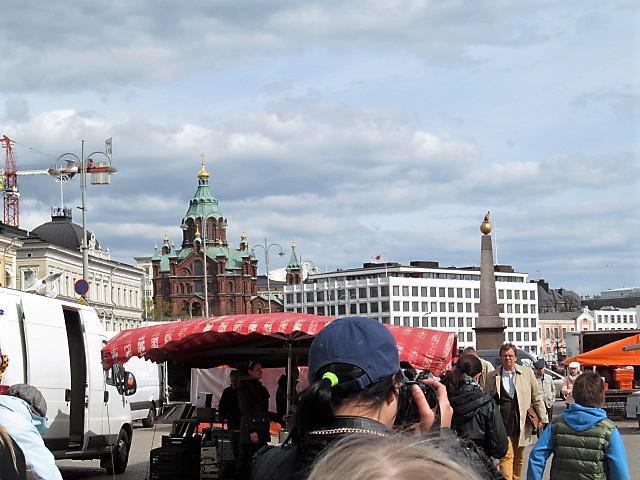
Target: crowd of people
348,423
362,418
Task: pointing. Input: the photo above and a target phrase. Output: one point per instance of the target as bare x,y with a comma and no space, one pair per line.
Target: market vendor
229,408
254,419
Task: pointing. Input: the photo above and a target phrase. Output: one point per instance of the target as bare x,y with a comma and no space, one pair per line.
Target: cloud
124,44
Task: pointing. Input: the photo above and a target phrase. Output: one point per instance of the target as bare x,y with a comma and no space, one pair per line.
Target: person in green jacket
586,445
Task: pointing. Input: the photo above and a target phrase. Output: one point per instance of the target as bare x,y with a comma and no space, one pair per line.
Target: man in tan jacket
517,389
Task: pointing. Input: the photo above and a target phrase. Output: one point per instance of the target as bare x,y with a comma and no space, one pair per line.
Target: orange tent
612,354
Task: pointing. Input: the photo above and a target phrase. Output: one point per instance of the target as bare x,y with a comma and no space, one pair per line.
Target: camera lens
407,408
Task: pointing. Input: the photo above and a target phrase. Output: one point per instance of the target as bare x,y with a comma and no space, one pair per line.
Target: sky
354,128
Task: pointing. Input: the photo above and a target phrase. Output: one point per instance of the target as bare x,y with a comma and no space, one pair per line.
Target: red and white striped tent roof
215,341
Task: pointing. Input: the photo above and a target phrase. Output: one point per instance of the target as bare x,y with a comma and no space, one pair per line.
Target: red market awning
612,354
215,341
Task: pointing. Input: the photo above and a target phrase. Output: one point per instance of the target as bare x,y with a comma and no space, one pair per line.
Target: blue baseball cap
359,341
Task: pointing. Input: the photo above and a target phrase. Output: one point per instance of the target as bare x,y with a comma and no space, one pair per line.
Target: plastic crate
625,384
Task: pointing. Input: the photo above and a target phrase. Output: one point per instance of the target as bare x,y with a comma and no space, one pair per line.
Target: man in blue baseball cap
355,380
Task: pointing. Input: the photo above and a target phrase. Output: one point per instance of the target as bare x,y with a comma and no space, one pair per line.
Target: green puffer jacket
581,456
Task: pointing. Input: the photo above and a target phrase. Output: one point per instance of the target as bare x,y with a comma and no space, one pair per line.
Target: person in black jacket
254,419
476,415
281,395
229,409
12,462
355,377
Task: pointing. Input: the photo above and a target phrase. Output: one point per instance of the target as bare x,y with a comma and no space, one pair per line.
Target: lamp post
266,246
184,226
100,175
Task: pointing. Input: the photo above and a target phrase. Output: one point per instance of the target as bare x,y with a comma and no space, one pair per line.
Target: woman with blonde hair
399,457
12,464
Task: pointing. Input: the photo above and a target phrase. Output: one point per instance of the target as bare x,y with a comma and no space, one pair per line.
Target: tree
160,310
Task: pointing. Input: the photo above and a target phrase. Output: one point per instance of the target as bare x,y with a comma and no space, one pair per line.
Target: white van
56,347
151,395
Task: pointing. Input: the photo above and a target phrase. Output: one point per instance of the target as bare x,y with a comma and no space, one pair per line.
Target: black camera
407,409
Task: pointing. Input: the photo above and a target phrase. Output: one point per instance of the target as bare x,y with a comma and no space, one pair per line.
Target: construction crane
9,181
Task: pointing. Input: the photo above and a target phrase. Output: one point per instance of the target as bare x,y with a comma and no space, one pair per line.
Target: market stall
277,340
619,364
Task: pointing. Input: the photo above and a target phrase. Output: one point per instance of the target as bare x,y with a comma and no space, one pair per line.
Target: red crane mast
10,187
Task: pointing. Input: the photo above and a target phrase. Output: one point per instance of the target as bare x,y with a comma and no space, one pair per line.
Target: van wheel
116,463
150,421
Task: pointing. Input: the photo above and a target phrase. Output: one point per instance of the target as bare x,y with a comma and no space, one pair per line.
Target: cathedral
178,273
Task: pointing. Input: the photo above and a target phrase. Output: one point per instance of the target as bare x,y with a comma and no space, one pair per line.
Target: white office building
610,318
422,294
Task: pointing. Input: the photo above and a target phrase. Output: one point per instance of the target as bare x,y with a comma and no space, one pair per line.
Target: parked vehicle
56,346
151,396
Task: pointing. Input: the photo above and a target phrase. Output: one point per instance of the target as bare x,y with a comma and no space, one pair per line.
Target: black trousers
245,459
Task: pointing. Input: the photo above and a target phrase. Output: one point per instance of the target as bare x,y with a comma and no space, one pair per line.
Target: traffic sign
81,286
82,301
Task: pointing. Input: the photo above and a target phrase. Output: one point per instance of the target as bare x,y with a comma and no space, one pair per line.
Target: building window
373,292
396,290
414,291
533,309
362,292
396,306
460,322
441,292
501,294
525,322
526,336
476,293
384,291
416,321
423,291
533,323
319,296
467,293
524,294
425,306
525,308
373,307
469,322
518,336
460,336
405,291
405,306
353,309
385,306
532,295
452,322
508,294
469,337
468,308
425,322
415,306
450,292
342,310
534,337
516,294
320,310
460,307
443,322
363,308
510,336
510,322
432,291
443,307
310,297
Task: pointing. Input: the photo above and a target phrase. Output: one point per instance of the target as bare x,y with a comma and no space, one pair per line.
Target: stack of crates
176,458
623,378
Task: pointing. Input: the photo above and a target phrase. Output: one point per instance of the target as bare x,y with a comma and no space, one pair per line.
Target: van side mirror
130,384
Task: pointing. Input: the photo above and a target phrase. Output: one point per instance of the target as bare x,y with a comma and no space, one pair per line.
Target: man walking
547,386
517,389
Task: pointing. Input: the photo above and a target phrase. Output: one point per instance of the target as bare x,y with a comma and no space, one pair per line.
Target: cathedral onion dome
203,172
294,263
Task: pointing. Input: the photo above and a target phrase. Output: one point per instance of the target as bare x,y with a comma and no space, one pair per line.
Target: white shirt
508,381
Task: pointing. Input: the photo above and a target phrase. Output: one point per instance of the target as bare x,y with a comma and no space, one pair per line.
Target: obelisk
489,326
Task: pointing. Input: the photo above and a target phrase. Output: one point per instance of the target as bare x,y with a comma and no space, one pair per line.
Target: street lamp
100,175
266,246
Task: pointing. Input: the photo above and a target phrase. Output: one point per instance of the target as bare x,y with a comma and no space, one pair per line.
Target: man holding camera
517,390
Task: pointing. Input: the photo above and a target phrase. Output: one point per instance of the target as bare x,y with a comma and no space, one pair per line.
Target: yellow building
54,247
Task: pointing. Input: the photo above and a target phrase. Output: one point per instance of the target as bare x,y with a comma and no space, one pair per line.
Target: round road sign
81,287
